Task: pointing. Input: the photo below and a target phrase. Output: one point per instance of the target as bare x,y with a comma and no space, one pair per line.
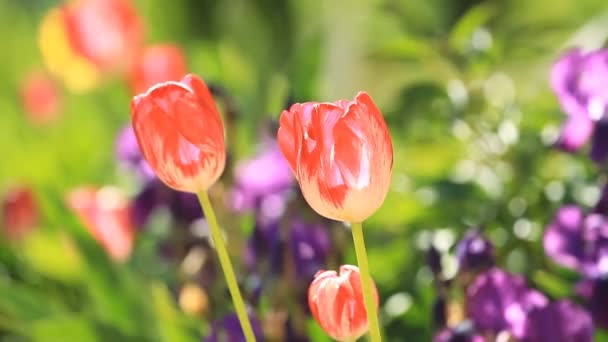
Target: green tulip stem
220,247
366,283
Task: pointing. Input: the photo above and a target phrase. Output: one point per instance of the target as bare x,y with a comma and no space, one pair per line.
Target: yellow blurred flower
77,73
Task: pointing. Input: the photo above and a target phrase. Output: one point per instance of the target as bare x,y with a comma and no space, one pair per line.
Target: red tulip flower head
106,213
106,32
41,98
336,302
19,211
341,153
82,40
156,64
180,133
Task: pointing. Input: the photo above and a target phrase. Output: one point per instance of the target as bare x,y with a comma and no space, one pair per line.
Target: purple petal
599,142
498,300
309,246
463,332
564,78
562,240
593,82
562,321
474,251
267,174
229,329
598,303
129,155
576,131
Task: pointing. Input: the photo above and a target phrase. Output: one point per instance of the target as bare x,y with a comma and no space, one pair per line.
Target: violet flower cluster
580,81
283,242
499,303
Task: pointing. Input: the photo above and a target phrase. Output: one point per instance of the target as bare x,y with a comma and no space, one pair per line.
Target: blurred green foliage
463,87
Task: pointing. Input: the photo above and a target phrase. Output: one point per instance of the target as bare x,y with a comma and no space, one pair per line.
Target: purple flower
578,241
575,133
561,321
460,333
261,183
308,245
228,329
580,82
498,300
184,207
433,260
474,251
440,311
129,155
595,291
598,304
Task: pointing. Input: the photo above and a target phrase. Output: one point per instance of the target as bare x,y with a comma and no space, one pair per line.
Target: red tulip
83,39
106,32
106,213
41,98
19,211
336,302
156,64
341,153
180,133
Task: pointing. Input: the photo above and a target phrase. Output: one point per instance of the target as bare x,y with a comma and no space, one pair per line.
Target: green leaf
551,284
170,326
407,48
62,328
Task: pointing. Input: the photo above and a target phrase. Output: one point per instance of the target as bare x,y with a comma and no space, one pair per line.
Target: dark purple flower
184,207
580,81
599,142
433,260
598,303
440,311
561,321
228,329
601,207
595,292
309,246
264,239
463,332
129,155
578,241
262,183
498,300
474,251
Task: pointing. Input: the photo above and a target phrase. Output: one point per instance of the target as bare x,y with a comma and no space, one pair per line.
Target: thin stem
366,282
233,286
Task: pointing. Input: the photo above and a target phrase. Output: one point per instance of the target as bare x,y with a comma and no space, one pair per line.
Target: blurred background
94,248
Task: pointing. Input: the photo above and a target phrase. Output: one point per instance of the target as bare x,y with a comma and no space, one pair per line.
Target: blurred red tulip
342,155
336,302
156,64
107,32
180,133
86,38
41,98
19,211
106,213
